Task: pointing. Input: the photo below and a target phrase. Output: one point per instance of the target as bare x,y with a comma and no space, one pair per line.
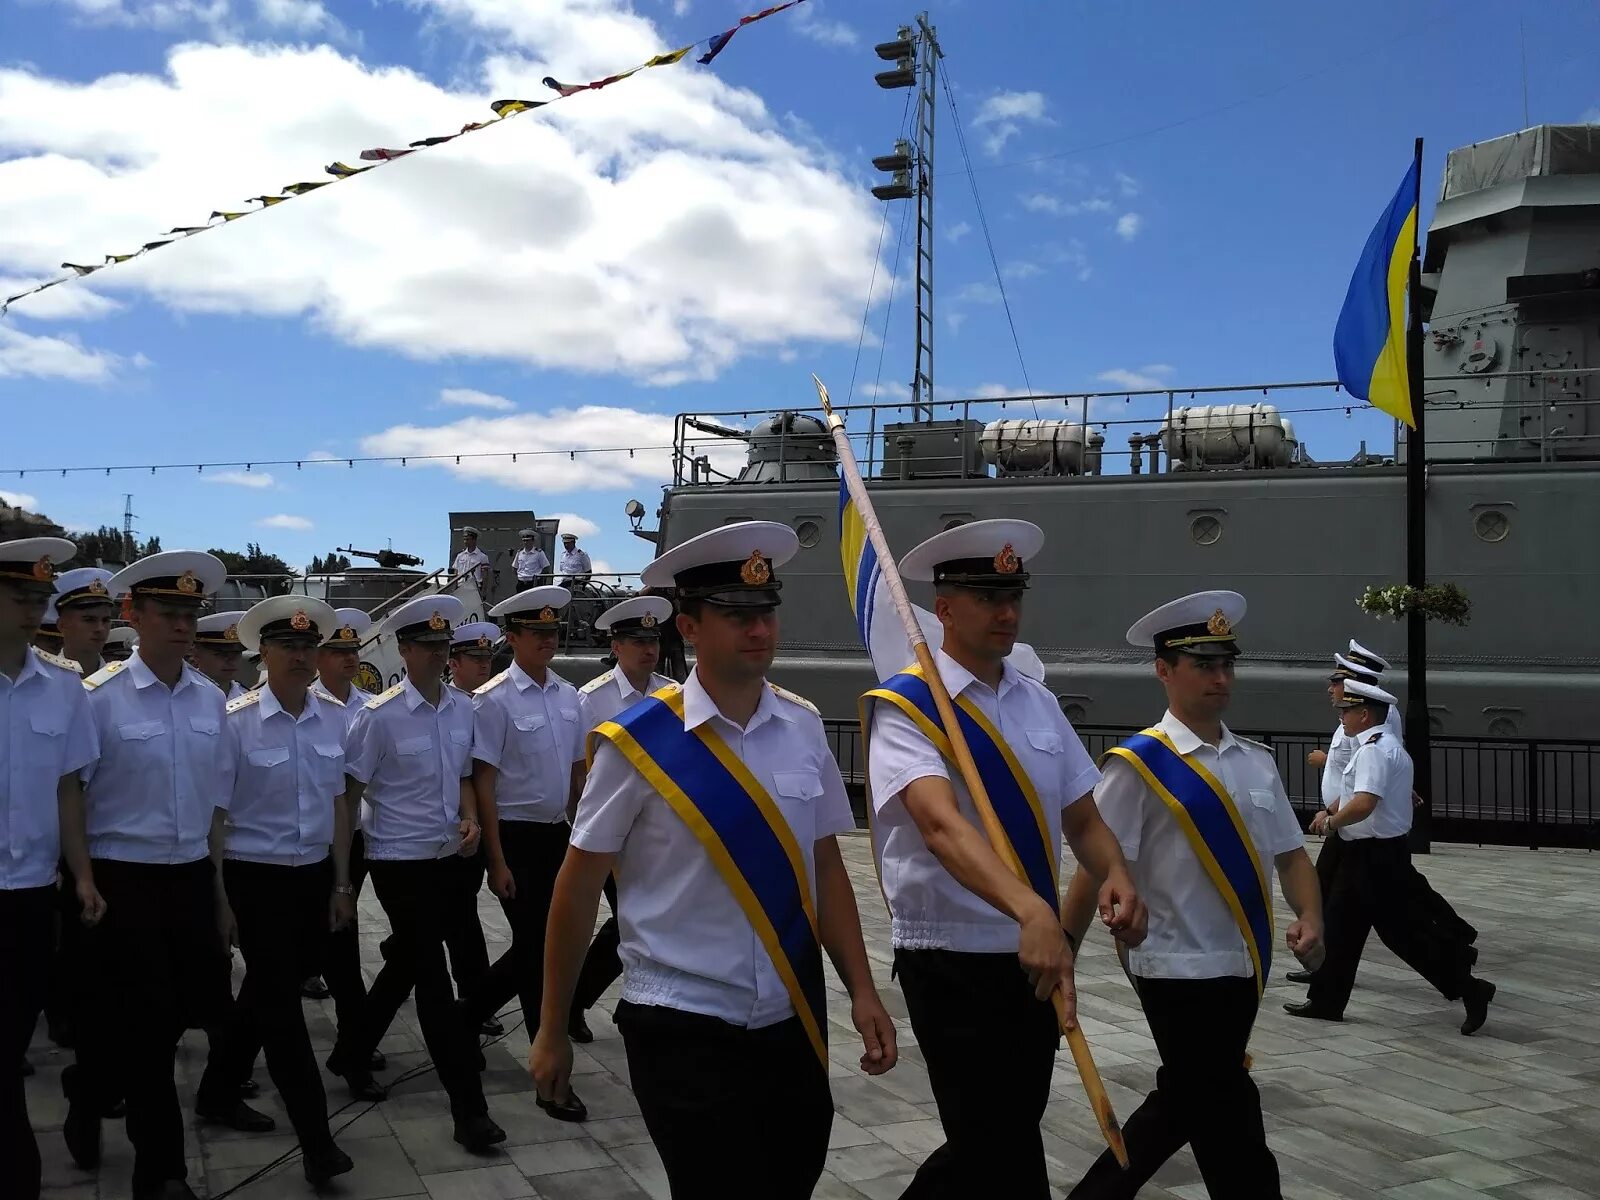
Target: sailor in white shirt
160,962
724,1037
1373,887
1199,973
338,661
574,563
84,612
635,627
218,653
46,738
530,562
120,643
286,874
977,950
409,754
472,559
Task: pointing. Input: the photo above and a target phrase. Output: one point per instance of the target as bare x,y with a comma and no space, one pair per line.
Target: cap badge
187,583
547,613
437,622
755,571
231,633
300,621
483,643
346,634
96,588
43,571
1218,624
1007,562
648,621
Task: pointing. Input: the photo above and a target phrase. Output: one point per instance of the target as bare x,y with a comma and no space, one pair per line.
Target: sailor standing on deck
527,748
978,951
575,565
159,958
286,873
530,562
1200,813
48,738
218,654
471,559
409,755
635,627
718,804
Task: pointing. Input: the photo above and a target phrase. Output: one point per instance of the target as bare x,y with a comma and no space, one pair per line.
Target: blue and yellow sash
1217,834
1012,793
741,830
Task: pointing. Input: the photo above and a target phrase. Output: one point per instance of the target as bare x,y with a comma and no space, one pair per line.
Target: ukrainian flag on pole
1369,343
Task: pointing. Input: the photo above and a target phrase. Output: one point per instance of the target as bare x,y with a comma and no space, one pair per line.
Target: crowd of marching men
159,817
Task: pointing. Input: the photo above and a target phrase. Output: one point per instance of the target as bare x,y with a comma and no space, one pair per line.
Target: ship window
809,532
1206,529
949,521
1491,525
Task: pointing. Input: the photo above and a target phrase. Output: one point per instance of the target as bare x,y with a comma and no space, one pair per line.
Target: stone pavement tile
1418,1091
483,1183
382,1173
908,1081
846,1132
558,1158
1575,1170
853,1164
432,1148
1391,1110
869,1104
1432,1189
1331,1158
915,1139
1543,1189
78,1191
618,1131
1472,1170
829,1187
1498,1144
601,1183
643,1166
886,1187
248,1152
1510,1120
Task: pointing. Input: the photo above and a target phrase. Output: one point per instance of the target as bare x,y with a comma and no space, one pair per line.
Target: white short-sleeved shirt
1192,933
412,758
150,796
575,562
930,910
604,696
530,564
531,735
475,561
1379,765
45,721
1340,748
347,708
283,773
686,943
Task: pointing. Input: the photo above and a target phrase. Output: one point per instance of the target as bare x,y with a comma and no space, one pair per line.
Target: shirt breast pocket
328,762
413,745
49,740
529,726
268,757
1046,741
1260,815
797,793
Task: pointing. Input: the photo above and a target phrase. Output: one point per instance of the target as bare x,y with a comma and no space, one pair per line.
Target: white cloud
661,229
573,523
19,500
1046,203
469,398
1152,375
41,357
1129,225
955,320
285,521
553,432
976,293
1004,113
71,301
246,479
1592,117
216,17
299,16
809,22
1021,270
1126,184
958,231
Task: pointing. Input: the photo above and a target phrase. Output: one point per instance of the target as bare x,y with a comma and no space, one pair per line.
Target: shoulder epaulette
103,674
326,698
599,681
494,683
1253,742
1375,738
786,694
246,700
384,697
59,660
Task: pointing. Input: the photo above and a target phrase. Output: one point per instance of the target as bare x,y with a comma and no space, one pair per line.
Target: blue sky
1176,193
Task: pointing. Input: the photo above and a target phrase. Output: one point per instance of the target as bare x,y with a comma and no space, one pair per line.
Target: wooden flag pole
1087,1071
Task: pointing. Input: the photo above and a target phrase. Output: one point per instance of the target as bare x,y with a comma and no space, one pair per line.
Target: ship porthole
1491,525
1502,727
1206,529
809,532
1073,712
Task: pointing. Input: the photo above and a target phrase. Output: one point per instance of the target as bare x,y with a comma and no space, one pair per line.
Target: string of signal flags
379,156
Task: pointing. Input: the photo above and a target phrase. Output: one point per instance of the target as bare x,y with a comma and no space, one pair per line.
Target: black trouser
1204,1096
160,968
27,922
68,984
601,966
410,894
1373,890
726,1105
534,853
1328,864
1437,909
341,958
282,914
990,1048
463,938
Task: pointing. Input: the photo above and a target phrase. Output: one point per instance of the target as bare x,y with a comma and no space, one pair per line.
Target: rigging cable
872,283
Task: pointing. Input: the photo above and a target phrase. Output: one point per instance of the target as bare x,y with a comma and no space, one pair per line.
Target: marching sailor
49,738
718,803
286,871
977,950
218,654
527,771
84,612
409,755
1373,887
635,627
472,650
530,562
120,643
159,959
1200,813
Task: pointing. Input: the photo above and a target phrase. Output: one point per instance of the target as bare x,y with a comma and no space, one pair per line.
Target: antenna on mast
128,548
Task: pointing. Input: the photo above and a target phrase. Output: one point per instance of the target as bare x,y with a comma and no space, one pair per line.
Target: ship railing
1134,442
1503,791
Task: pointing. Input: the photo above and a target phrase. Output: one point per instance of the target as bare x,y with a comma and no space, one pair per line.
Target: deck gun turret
389,560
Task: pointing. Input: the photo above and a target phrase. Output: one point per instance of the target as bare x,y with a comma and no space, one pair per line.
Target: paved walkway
1392,1103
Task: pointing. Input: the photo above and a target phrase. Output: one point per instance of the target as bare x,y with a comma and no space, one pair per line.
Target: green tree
256,566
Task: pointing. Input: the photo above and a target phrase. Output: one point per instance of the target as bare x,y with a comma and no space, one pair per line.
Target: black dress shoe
478,1133
491,1028
238,1116
1472,955
315,989
1306,1009
1479,993
1301,976
321,1166
571,1109
360,1082
249,1090
377,1062
578,1028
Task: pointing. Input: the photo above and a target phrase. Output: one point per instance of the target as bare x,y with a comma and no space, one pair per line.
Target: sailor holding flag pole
966,906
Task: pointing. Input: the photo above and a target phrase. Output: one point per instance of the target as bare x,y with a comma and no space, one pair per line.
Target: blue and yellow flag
1369,343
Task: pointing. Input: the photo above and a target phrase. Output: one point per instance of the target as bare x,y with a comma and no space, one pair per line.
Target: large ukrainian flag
1369,343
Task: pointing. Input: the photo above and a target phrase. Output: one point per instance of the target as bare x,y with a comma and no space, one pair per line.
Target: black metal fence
1491,791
